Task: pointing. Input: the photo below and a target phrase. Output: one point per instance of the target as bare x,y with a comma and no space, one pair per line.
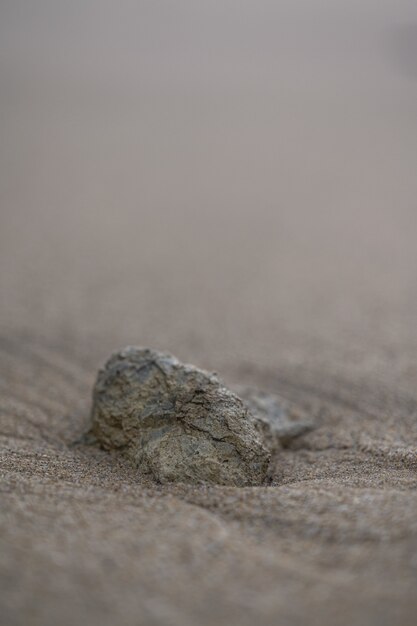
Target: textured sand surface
236,186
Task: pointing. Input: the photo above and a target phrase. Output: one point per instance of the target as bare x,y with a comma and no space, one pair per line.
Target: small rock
279,420
176,422
181,424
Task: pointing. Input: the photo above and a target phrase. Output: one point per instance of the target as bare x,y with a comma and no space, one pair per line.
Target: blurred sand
235,183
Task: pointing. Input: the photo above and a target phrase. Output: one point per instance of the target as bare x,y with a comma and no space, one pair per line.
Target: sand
235,186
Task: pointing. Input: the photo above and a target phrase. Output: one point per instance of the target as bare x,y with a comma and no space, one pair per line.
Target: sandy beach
234,183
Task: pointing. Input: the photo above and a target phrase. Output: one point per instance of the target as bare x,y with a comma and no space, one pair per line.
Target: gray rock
180,423
176,422
279,420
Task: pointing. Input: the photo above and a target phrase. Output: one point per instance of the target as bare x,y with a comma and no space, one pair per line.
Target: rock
177,422
279,420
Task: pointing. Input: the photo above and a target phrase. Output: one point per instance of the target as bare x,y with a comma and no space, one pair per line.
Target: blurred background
235,182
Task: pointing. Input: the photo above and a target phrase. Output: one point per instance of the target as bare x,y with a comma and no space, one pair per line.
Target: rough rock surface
177,422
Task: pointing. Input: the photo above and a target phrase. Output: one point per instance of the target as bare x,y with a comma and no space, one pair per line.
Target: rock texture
177,422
